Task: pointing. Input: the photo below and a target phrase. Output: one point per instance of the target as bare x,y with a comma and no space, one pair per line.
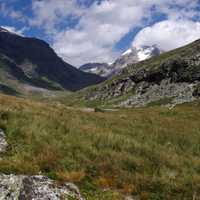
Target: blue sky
82,31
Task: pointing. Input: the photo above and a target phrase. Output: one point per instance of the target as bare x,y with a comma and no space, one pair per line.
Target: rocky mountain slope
132,55
170,78
29,64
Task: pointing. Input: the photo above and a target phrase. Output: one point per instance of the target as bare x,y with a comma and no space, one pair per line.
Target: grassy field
151,153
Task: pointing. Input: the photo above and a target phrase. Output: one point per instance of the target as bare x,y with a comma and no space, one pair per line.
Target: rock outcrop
18,187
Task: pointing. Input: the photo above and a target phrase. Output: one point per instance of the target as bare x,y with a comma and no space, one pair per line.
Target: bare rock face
3,142
20,187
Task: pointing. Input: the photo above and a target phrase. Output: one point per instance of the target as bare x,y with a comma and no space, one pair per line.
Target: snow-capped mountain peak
130,56
146,52
127,52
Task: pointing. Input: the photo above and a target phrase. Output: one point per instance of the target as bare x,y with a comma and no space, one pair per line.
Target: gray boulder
13,187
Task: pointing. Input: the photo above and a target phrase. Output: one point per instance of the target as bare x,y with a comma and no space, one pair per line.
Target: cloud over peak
168,34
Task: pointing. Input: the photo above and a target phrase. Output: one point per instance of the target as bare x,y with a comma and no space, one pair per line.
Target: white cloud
14,30
99,29
8,11
50,13
102,25
169,34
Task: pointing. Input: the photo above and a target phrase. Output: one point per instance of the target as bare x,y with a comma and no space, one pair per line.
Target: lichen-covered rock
3,142
13,187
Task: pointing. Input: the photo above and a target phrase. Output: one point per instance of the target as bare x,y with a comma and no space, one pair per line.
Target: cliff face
34,62
171,78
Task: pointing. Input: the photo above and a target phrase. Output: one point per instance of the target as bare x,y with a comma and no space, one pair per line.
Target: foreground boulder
20,187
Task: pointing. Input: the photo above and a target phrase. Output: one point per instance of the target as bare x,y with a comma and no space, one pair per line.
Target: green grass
153,153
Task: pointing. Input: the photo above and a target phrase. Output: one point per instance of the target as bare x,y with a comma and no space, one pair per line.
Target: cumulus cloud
102,24
8,11
50,13
98,31
168,34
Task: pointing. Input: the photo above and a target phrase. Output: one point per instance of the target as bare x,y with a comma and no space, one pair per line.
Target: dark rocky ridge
173,77
32,61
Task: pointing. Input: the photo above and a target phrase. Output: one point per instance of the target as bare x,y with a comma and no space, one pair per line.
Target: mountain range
140,76
30,65
132,55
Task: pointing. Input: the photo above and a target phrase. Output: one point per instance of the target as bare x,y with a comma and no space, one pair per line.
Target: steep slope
170,78
32,63
132,55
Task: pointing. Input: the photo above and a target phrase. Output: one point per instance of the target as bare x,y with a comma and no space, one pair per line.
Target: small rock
196,92
3,142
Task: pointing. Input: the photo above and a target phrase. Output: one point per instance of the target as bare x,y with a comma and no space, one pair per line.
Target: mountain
101,69
171,78
30,64
132,55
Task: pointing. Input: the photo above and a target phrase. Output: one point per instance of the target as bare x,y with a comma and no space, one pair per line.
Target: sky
82,31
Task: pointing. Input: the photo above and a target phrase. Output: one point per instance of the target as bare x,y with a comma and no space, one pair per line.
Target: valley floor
147,153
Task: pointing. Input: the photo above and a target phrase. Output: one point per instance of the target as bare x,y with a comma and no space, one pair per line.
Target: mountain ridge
33,62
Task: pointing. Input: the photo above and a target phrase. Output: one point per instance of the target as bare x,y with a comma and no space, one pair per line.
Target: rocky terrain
132,55
30,64
21,187
172,78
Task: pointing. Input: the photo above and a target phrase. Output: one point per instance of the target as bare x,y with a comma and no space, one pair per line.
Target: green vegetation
149,152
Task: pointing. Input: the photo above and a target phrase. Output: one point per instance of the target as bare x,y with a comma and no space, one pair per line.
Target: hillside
30,65
152,155
171,78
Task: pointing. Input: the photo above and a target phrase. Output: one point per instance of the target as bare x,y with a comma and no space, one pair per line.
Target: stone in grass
3,142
